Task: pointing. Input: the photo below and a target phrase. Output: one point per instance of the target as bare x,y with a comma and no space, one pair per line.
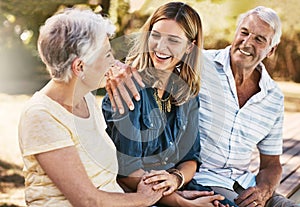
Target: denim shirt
149,139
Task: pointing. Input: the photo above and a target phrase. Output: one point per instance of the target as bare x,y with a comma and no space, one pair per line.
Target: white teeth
162,56
245,53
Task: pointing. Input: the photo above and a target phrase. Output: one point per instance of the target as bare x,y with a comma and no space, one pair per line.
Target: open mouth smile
244,52
162,56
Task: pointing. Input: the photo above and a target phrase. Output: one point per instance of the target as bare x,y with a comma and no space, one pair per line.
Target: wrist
182,202
179,176
178,200
144,199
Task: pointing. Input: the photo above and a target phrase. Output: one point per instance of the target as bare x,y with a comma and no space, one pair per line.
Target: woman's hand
162,180
201,198
148,193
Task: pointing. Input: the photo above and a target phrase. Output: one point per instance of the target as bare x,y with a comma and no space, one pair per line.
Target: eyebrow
170,35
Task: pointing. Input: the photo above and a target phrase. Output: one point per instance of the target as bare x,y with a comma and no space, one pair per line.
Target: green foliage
19,58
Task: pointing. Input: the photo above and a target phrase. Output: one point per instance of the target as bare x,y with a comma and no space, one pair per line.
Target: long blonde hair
188,71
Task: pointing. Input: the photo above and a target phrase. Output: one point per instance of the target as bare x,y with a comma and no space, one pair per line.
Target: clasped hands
163,180
169,183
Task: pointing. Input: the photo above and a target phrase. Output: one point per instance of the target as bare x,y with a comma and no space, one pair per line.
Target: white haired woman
69,160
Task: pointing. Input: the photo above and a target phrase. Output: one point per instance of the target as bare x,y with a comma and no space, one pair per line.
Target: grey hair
72,33
269,16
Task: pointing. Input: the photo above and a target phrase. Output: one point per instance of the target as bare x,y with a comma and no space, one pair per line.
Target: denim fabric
193,185
147,138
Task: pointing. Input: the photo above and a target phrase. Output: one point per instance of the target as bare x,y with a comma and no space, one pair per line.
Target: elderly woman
69,160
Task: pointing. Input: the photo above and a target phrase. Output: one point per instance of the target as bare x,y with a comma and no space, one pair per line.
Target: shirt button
166,159
164,162
171,143
151,125
183,127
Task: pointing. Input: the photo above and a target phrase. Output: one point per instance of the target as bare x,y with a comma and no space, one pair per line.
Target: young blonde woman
162,133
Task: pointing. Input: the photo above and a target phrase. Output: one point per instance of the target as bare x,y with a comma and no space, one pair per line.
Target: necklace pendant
164,105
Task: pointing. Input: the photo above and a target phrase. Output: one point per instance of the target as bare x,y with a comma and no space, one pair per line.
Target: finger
216,197
166,185
218,204
116,96
192,194
126,97
169,191
244,195
156,178
202,193
158,172
137,77
155,173
248,202
132,88
110,95
126,75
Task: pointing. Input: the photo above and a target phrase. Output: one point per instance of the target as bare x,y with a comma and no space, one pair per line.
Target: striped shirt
229,133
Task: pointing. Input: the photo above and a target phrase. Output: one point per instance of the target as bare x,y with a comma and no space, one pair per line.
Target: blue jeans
193,185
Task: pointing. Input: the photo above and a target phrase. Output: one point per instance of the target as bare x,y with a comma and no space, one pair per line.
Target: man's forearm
269,177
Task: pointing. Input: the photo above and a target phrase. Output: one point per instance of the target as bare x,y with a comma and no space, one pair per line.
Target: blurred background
21,70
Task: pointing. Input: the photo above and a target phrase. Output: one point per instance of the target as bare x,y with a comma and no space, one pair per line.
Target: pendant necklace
163,104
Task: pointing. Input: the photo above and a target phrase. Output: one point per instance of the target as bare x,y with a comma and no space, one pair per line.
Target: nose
247,40
162,43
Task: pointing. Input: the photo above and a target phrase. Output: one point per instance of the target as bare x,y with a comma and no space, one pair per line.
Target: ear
77,66
272,51
190,47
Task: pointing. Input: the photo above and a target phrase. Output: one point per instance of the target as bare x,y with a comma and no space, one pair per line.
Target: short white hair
72,33
269,16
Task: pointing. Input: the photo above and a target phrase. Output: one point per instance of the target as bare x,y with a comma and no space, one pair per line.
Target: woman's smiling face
167,44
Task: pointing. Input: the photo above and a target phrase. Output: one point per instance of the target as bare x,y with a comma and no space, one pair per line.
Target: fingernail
137,97
131,107
121,111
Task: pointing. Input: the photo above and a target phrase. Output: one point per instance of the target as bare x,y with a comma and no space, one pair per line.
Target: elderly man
241,108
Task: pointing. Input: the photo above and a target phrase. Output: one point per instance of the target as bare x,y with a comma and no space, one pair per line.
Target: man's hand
194,194
253,196
119,81
266,184
202,198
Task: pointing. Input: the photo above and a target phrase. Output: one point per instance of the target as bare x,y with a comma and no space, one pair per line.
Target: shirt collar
266,83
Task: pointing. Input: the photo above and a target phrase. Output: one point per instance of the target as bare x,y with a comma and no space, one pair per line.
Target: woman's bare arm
65,169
